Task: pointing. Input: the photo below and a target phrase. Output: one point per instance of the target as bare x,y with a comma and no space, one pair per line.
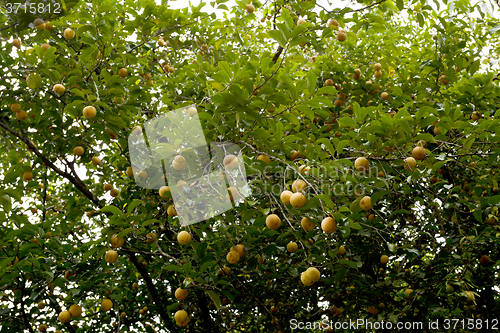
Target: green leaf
347,122
87,254
345,161
387,120
133,205
426,121
405,128
148,222
350,263
206,265
200,249
495,29
277,36
306,110
83,29
6,203
478,215
298,29
494,199
223,65
285,15
355,225
35,262
438,165
400,4
215,298
311,81
469,142
174,268
290,85
328,144
326,199
112,209
340,274
357,110
27,246
446,107
298,40
326,90
391,247
377,195
124,233
34,81
77,92
341,145
474,67
71,108
420,19
425,136
347,231
424,111
10,177
13,193
187,267
115,121
105,8
354,207
344,209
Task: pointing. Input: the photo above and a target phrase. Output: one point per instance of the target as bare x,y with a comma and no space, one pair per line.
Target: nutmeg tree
369,135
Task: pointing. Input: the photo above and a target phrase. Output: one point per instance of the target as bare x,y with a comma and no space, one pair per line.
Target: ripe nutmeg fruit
341,35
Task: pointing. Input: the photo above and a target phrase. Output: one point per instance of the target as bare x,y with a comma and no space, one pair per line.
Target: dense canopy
370,138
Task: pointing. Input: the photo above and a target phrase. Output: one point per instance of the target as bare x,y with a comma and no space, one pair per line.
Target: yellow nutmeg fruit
106,305
64,317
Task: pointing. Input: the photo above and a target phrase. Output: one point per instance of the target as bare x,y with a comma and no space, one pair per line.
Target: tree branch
205,313
152,290
74,180
277,54
69,327
9,26
23,311
175,27
352,10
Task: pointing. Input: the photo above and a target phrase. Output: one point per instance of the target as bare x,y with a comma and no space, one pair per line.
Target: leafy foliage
264,85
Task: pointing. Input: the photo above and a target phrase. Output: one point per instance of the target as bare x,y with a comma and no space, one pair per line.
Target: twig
162,310
23,311
167,30
352,10
277,54
75,181
282,212
9,26
271,76
165,254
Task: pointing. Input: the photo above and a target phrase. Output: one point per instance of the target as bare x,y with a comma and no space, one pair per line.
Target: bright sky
487,5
